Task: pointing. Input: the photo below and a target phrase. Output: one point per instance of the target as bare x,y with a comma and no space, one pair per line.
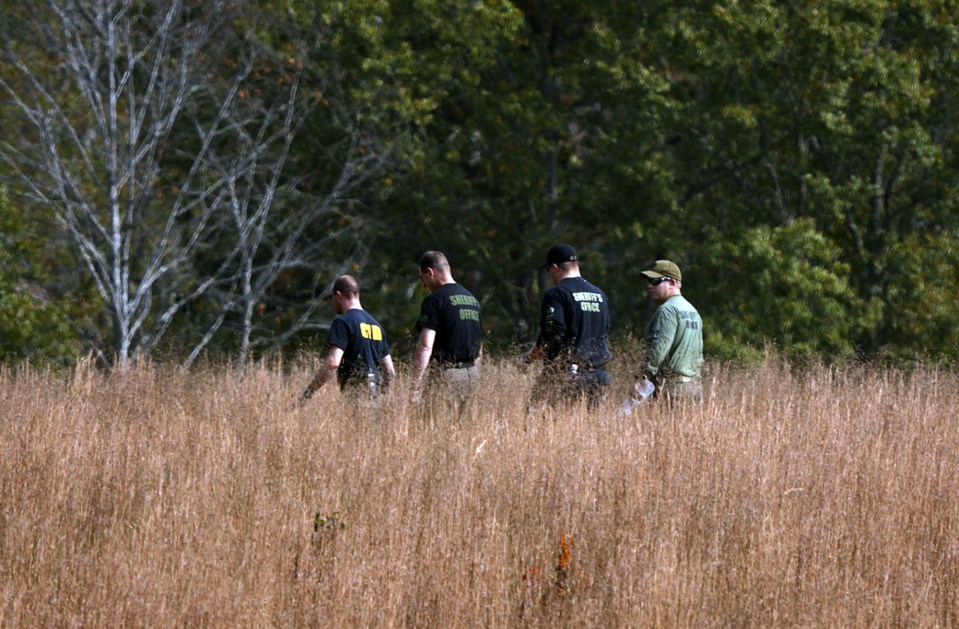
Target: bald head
347,285
435,260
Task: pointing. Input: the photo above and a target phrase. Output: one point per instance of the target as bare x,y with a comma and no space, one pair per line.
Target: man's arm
535,354
424,349
386,364
325,372
662,332
552,326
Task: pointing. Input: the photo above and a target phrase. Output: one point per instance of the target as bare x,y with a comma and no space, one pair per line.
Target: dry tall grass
817,498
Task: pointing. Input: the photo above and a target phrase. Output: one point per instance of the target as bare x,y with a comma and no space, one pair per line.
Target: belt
461,364
682,379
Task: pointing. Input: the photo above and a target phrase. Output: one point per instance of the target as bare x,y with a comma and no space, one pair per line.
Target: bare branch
149,157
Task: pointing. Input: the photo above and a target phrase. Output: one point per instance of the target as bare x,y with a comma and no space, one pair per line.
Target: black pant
558,386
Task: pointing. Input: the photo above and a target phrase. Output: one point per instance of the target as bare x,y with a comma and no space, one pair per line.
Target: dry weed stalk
823,496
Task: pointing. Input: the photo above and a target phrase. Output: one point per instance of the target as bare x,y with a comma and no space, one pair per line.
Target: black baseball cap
559,254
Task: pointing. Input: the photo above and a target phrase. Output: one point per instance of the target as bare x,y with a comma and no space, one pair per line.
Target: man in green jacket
674,339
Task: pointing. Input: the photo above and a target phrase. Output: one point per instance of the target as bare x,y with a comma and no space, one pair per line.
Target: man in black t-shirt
574,333
359,352
451,332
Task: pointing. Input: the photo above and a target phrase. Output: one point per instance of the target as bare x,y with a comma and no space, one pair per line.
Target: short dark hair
345,284
434,260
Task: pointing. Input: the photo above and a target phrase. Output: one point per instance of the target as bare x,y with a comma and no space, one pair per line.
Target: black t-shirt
454,313
574,323
363,343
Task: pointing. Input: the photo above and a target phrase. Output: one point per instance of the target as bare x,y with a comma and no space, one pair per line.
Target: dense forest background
185,178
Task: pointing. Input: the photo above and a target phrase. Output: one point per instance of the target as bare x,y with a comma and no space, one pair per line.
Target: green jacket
674,340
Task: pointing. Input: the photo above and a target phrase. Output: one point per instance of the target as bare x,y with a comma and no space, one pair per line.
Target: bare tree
147,155
264,244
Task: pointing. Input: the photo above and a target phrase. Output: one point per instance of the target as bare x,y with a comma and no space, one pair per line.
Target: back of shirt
454,313
364,345
574,323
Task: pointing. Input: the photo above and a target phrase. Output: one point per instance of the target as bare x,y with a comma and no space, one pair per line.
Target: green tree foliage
800,161
515,154
837,112
921,311
34,323
725,123
801,299
458,144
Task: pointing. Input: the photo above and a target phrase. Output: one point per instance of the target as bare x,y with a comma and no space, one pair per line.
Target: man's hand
534,354
642,389
306,395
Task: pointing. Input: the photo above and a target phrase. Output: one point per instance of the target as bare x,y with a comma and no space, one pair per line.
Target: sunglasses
656,281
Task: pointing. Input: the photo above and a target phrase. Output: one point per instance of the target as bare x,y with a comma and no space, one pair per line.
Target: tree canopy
798,161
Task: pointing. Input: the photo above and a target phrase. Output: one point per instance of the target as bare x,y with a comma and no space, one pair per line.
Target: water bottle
371,380
573,372
646,388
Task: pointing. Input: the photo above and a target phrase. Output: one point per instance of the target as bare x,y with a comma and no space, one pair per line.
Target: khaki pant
681,390
459,383
451,393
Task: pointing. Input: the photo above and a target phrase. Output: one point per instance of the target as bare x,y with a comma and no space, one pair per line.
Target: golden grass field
821,497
